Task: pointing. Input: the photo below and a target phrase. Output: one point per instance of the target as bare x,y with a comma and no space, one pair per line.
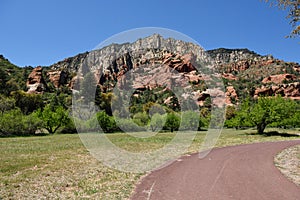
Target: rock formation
156,61
291,90
231,95
36,82
279,78
57,77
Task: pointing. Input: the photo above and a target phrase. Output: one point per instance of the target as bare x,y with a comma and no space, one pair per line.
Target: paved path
236,173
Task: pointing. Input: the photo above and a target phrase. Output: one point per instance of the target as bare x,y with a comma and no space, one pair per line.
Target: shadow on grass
275,133
26,135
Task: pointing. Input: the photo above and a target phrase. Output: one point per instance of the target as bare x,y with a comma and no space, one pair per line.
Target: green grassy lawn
59,166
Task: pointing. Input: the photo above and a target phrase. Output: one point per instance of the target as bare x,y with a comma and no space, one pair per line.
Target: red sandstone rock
230,94
291,90
230,77
280,78
57,77
35,82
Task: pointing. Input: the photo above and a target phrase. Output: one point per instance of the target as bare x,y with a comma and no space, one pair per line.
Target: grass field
59,166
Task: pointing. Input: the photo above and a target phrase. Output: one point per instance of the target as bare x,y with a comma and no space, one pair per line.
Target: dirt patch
288,162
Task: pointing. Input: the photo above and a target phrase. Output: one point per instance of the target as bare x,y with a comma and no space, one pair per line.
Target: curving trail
235,173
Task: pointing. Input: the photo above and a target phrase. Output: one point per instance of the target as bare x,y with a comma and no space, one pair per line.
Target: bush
69,127
82,125
128,125
190,120
172,122
141,119
13,122
157,122
106,122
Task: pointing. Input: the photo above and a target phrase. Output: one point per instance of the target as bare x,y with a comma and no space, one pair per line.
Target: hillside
244,72
12,77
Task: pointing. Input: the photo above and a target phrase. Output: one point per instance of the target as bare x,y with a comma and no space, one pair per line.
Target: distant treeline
24,114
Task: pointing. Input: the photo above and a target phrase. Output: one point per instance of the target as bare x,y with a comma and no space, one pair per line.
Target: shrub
13,122
69,127
189,120
172,122
157,122
128,125
141,119
106,122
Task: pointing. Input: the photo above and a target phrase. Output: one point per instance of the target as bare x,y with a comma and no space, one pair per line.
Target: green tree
106,100
157,121
190,120
265,111
53,118
106,122
141,118
13,122
204,118
231,120
230,112
3,80
156,108
128,125
10,86
293,8
6,104
293,120
27,102
232,123
172,122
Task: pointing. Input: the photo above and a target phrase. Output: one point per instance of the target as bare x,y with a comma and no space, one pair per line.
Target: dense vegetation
265,111
30,114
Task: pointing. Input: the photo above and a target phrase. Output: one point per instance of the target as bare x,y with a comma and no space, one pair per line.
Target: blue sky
42,32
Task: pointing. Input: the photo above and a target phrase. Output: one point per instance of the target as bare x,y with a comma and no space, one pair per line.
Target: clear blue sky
42,32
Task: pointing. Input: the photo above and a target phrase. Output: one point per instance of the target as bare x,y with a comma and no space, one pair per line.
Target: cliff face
244,72
36,82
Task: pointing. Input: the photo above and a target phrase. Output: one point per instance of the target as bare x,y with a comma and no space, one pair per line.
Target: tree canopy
52,118
265,111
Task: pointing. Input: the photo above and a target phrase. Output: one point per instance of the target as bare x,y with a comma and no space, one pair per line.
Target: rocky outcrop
279,78
297,68
71,64
35,82
291,90
231,95
58,78
74,83
223,55
180,63
229,77
194,77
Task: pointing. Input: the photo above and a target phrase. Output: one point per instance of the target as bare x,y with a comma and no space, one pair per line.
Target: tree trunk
261,127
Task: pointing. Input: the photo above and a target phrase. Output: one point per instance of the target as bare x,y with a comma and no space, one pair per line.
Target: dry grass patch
288,162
